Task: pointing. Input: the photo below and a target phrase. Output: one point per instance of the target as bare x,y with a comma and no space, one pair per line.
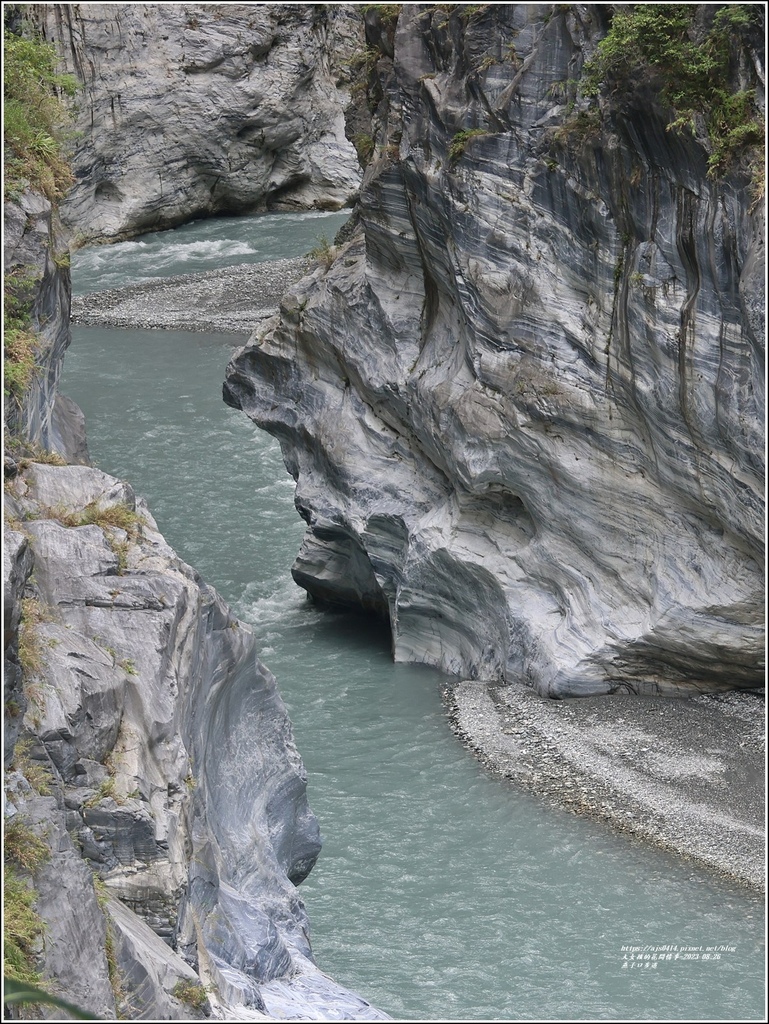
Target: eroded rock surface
36,267
197,109
524,405
154,753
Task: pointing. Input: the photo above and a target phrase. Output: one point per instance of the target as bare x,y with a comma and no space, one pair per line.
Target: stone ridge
524,403
197,109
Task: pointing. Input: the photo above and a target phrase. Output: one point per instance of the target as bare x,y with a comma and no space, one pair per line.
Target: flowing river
441,893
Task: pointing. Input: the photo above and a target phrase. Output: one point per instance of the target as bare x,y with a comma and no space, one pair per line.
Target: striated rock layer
524,403
156,753
36,269
189,110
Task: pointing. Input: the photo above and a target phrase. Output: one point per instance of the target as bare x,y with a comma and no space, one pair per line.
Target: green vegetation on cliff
694,66
35,122
23,852
34,118
18,339
19,363
460,140
388,14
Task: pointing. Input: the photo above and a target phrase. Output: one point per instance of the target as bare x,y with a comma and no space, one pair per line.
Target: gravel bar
231,299
686,775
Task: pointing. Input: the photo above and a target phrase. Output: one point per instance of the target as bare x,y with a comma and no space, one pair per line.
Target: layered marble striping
170,764
524,404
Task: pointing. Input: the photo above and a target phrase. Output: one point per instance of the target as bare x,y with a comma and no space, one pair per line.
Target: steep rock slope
155,809
189,110
36,267
153,753
524,403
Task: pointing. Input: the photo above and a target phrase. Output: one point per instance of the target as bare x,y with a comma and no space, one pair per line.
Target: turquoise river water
441,893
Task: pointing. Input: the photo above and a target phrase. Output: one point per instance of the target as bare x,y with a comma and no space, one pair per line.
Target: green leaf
22,992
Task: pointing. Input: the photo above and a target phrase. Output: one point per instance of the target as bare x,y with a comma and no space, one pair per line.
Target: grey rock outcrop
75,943
149,969
36,266
169,764
524,405
197,109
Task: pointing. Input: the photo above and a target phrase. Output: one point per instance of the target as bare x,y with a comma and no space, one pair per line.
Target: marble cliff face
148,705
523,404
35,273
196,109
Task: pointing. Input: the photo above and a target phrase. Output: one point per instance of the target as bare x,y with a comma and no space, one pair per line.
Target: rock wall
152,750
524,403
189,110
36,267
146,746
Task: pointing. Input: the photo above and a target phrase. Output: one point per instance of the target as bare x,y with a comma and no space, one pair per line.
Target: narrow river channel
441,893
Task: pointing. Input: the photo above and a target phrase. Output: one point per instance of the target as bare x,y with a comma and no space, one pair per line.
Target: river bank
686,775
231,299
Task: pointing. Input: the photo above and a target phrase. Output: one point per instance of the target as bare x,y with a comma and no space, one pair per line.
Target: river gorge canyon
518,385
